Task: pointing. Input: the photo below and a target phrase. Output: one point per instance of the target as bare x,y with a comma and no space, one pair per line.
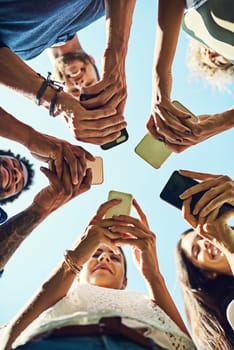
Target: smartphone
3,216
123,208
123,136
176,185
97,170
179,105
152,151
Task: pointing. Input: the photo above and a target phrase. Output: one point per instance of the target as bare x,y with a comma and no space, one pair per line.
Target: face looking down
213,59
79,74
104,269
13,176
203,254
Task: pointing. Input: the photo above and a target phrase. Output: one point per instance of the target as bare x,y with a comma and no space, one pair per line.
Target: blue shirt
28,27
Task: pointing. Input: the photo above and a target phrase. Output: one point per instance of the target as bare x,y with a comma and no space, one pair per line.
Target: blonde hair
218,78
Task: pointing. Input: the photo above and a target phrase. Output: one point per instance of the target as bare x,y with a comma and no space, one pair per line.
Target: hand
167,123
59,191
47,148
96,233
137,234
218,189
112,88
98,126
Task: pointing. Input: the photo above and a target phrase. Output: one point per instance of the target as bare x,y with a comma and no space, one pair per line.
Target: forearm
16,229
54,289
159,293
118,24
15,130
170,14
17,75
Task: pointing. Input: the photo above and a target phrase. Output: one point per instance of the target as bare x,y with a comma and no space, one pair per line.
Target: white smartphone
153,151
97,170
123,208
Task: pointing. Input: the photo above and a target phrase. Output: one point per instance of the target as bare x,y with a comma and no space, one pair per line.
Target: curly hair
218,78
202,297
29,167
60,62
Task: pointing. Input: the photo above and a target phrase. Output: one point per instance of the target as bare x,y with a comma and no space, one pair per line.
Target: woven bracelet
57,86
74,267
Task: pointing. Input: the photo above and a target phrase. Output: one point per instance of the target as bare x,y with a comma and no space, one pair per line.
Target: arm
97,127
206,127
45,297
45,147
15,230
166,122
58,284
143,243
113,83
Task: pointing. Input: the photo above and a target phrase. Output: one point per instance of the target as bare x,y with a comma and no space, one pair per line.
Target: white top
86,304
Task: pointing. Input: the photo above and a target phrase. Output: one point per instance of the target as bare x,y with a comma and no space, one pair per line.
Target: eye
96,255
196,250
115,258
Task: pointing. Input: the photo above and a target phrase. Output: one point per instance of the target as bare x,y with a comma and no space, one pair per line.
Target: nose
104,257
17,175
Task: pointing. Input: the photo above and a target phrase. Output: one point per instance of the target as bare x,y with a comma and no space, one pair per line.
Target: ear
124,284
92,60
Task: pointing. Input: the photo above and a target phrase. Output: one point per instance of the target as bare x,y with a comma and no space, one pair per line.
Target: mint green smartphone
97,170
123,208
154,152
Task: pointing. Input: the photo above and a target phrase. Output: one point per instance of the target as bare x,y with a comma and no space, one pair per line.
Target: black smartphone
176,185
123,136
3,216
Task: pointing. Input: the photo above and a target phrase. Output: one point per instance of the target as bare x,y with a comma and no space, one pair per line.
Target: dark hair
29,167
60,62
125,261
202,296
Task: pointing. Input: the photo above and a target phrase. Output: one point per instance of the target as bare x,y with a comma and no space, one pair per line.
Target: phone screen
123,208
176,185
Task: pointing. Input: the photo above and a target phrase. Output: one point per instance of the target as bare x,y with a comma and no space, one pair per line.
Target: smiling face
78,74
13,176
104,269
204,254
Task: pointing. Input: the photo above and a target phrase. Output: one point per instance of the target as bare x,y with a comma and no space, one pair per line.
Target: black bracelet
57,86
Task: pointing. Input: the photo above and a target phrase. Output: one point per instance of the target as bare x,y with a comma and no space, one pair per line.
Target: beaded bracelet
74,267
57,86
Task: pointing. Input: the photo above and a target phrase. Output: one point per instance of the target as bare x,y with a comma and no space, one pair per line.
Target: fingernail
187,132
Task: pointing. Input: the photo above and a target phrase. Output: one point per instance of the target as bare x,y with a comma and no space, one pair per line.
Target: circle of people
64,313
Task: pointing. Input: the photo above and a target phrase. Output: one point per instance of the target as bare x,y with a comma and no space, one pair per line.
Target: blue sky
123,169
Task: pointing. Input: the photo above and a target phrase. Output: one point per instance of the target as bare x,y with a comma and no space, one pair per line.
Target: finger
102,210
86,182
200,187
172,122
140,213
52,177
186,213
72,163
101,99
132,221
97,88
198,175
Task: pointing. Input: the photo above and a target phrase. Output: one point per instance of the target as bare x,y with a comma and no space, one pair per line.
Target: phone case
121,139
176,185
124,208
152,151
97,170
179,105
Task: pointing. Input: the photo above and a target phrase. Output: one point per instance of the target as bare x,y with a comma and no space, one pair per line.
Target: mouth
102,267
214,252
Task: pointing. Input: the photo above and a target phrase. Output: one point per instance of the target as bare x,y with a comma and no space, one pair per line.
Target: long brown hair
202,297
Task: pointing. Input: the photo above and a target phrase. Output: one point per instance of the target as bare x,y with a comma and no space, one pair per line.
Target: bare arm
15,230
48,294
